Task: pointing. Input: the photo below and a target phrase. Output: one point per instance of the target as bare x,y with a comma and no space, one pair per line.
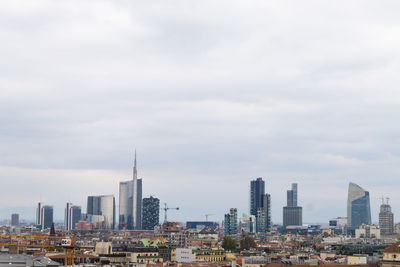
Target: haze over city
211,94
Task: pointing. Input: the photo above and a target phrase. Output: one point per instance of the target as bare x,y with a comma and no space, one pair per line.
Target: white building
368,231
185,255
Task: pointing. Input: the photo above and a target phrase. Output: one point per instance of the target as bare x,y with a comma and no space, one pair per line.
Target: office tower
73,214
46,217
386,222
230,222
292,214
14,219
130,202
101,210
257,191
263,217
151,213
358,207
139,208
39,213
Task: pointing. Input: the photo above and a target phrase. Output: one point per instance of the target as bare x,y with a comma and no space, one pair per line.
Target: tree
229,243
247,243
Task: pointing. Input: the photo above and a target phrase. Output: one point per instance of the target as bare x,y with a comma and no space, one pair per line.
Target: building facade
231,222
358,207
151,213
292,213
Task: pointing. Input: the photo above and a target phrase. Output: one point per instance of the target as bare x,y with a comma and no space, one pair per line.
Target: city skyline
212,94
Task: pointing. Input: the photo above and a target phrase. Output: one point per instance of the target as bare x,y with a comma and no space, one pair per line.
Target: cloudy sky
212,94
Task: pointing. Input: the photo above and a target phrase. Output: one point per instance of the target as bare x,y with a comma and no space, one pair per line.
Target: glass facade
358,206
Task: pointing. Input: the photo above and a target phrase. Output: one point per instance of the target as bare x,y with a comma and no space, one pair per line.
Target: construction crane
208,215
40,241
166,208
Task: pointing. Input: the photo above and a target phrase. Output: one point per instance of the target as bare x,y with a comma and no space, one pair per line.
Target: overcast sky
212,94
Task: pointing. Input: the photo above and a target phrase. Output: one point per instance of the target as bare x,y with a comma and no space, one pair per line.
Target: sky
212,94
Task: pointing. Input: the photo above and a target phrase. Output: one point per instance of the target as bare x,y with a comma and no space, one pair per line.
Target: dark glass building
151,213
257,192
358,207
47,217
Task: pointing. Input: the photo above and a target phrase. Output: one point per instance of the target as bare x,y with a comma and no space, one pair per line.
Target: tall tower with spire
130,201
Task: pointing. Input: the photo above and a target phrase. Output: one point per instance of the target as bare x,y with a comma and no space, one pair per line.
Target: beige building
391,256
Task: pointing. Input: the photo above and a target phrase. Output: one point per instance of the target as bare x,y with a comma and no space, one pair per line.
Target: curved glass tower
358,207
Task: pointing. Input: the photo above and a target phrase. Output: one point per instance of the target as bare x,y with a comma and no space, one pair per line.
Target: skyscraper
231,222
130,202
263,218
257,191
292,214
101,210
386,222
358,207
73,214
39,213
46,217
151,213
14,219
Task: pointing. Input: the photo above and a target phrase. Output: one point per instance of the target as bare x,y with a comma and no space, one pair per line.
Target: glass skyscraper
292,214
358,207
257,191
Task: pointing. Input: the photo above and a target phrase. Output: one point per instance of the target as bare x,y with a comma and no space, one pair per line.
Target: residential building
386,220
368,231
257,191
391,256
292,214
185,255
263,217
14,219
248,223
151,213
358,207
231,222
101,210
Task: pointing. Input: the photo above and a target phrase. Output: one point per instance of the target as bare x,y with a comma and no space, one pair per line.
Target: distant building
46,217
358,207
185,255
101,210
386,221
263,216
391,256
257,191
368,231
39,213
248,223
14,219
200,224
73,214
292,214
231,222
130,202
83,226
151,213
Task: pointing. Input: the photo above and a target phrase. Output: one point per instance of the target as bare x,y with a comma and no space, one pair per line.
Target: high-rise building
292,214
151,213
257,191
263,217
39,213
14,219
73,214
130,202
358,207
46,217
248,223
101,210
386,221
231,222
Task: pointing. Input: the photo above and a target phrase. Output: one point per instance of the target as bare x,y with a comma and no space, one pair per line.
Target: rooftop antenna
387,200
